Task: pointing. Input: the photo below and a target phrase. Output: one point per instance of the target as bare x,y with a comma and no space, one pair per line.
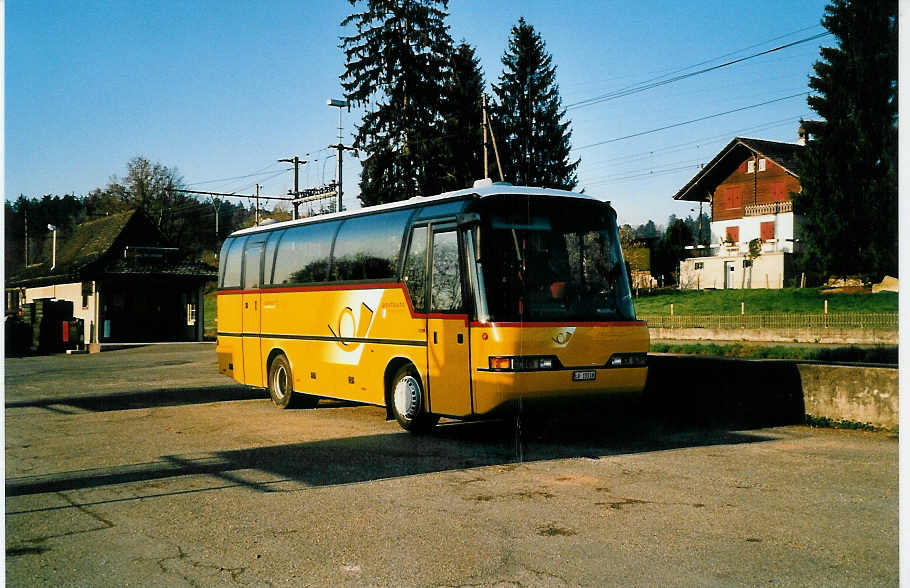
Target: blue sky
224,89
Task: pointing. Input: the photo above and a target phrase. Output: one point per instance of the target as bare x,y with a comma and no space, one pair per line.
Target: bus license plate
583,375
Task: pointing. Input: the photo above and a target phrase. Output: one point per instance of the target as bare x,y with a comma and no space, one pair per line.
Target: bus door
252,303
448,356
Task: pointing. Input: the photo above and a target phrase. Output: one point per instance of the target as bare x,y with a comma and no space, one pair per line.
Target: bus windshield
548,261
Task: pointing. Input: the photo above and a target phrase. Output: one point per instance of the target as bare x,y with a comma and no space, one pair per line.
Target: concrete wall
862,394
807,335
734,393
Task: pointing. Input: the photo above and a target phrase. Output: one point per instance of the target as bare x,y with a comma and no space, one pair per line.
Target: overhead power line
254,174
656,82
645,174
691,121
231,195
697,143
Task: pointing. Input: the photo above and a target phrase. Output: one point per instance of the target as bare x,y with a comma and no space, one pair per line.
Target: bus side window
232,264
302,256
415,269
252,266
367,247
268,263
222,259
446,288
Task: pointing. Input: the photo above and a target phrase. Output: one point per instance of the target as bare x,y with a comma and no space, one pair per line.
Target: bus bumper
493,390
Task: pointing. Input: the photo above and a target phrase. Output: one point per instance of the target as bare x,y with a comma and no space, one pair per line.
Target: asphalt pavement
146,467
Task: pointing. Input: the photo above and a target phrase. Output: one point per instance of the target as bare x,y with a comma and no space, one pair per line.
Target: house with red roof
749,187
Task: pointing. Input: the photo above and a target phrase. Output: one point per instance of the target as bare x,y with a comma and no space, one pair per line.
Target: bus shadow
680,409
155,398
330,462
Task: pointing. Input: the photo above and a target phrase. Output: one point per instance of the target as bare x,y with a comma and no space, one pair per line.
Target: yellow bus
454,305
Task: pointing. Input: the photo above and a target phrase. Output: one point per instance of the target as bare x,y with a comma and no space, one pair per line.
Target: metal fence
834,320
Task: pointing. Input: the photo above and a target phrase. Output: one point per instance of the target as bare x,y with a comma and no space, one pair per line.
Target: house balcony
728,249
770,208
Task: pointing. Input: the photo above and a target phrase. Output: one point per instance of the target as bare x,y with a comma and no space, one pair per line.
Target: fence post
826,313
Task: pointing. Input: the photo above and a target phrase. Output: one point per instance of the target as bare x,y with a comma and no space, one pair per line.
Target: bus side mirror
467,219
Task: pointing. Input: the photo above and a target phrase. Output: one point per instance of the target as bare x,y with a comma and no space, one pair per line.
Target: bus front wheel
281,387
408,403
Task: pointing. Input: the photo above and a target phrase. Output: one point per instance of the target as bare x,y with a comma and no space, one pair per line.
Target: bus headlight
524,363
628,360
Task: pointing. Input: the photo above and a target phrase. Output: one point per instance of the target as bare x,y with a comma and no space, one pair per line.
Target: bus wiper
517,249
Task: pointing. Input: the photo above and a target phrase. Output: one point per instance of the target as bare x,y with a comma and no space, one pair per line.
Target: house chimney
802,134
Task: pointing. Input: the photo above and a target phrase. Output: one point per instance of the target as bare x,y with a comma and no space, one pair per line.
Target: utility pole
257,203
339,104
25,206
486,171
217,213
296,161
53,228
502,177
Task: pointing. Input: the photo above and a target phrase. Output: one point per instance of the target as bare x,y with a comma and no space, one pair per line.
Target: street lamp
339,104
51,227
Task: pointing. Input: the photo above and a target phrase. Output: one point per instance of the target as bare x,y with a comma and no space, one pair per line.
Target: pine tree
463,125
536,137
397,65
849,180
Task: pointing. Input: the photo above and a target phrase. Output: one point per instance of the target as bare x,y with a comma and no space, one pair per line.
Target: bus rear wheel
407,401
281,387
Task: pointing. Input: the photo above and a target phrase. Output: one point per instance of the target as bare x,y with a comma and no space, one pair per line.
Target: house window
732,235
767,230
719,200
750,169
734,197
699,265
762,164
777,192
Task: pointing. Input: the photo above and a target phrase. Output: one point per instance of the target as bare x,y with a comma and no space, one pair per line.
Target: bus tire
281,386
407,400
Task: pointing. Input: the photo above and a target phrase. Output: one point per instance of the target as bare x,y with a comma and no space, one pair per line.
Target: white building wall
750,228
73,293
767,271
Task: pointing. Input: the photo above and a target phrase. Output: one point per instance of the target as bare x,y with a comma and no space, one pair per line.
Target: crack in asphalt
182,556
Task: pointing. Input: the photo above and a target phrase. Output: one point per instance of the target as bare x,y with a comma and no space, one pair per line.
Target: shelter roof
98,245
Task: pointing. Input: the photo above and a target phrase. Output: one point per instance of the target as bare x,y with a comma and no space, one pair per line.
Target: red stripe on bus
530,325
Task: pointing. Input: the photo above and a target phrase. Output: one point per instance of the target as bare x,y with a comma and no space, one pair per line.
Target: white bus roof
478,192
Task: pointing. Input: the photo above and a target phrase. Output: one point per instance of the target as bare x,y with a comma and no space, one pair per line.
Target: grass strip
852,354
820,422
759,301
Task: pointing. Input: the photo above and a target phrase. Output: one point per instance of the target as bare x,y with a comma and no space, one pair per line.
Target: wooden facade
767,184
